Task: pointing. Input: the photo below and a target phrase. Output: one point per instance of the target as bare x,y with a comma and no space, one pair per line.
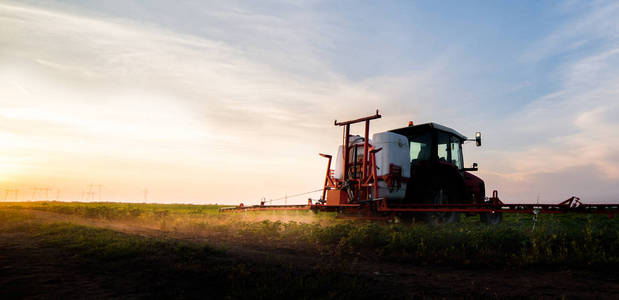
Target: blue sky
139,90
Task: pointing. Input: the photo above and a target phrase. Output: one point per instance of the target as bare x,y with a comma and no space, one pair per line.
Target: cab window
456,152
443,145
420,147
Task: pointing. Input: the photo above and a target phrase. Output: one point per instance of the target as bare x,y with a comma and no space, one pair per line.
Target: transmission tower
39,192
94,191
89,194
8,192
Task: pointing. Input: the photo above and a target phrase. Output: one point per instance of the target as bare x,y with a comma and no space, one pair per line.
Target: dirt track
31,271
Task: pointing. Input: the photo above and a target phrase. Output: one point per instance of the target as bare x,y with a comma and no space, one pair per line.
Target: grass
558,240
571,240
170,268
192,251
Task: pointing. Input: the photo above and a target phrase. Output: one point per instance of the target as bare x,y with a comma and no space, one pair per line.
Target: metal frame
380,210
359,188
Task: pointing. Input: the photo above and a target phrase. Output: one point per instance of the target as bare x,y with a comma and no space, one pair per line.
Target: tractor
410,173
414,165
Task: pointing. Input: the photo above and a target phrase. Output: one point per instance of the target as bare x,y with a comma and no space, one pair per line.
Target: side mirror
474,168
478,139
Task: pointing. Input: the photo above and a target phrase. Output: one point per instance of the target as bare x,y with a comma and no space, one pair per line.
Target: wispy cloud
590,24
90,88
574,128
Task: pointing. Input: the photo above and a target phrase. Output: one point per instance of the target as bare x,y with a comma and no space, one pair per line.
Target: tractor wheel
491,218
443,195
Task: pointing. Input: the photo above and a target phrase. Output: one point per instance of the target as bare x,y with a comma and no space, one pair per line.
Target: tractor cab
437,166
436,143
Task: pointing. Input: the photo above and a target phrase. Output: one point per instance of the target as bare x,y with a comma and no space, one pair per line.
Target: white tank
395,151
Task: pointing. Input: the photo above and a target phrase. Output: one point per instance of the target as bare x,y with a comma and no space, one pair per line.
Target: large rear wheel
443,195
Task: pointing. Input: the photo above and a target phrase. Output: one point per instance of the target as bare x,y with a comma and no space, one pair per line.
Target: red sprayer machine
411,172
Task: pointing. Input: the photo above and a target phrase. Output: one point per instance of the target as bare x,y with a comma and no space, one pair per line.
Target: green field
558,239
287,254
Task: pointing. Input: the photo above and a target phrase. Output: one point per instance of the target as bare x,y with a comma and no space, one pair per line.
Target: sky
231,101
